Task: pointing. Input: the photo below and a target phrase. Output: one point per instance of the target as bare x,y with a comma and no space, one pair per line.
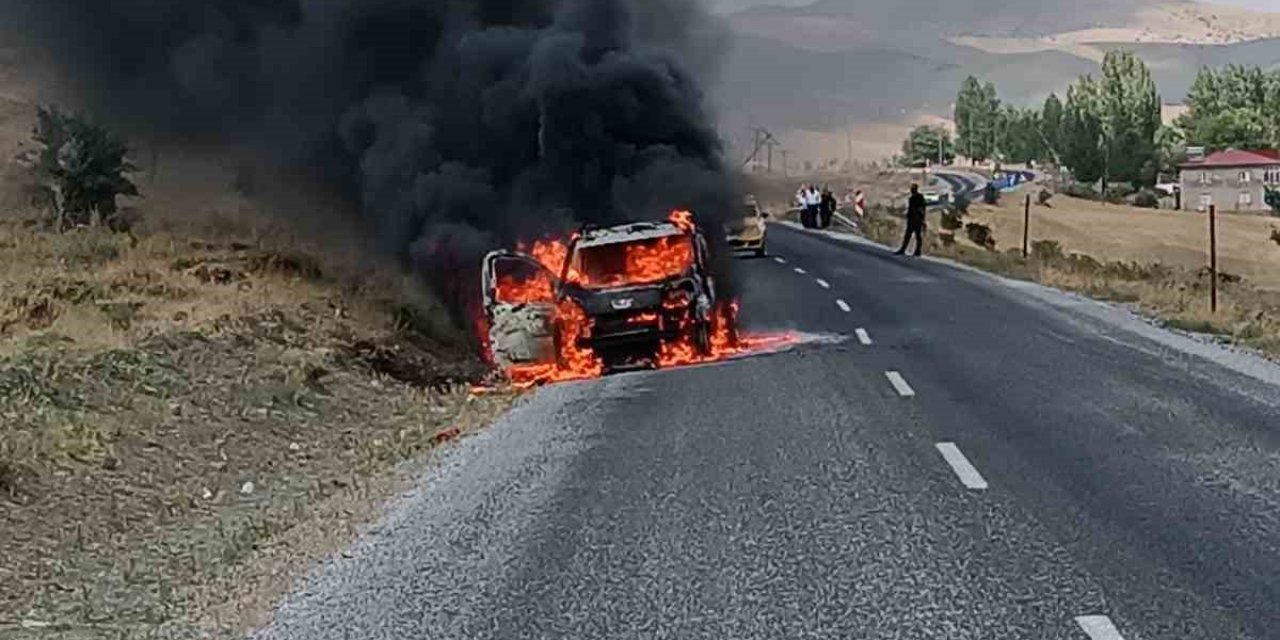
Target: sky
733,5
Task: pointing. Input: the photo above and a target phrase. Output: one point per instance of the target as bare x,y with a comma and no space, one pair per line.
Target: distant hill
821,67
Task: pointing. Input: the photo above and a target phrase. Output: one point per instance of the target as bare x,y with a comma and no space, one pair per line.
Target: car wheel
762,252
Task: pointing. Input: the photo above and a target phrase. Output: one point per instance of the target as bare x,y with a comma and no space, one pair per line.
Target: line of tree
1108,129
1235,107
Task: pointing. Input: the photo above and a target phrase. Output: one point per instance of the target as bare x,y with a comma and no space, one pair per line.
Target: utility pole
848,136
763,140
1026,230
942,141
1213,258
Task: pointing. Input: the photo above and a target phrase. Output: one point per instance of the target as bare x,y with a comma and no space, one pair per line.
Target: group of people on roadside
817,206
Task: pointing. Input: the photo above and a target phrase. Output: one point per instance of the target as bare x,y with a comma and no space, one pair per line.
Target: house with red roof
1234,180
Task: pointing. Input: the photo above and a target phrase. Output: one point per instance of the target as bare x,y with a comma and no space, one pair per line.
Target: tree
977,119
1233,107
1272,197
1234,128
1081,132
82,166
927,144
1022,141
1051,125
1130,117
1171,150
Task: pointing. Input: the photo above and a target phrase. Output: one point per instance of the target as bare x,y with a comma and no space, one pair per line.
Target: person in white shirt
812,200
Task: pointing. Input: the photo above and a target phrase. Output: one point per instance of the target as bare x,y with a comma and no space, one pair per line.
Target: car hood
742,226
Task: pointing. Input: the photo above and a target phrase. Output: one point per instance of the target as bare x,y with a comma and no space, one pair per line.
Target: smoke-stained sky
458,125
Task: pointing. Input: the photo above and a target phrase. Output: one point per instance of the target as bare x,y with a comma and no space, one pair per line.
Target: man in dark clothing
828,207
916,207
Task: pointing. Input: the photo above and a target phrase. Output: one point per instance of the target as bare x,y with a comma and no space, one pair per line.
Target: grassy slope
192,413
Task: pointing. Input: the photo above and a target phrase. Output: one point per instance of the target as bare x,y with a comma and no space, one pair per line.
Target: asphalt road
978,460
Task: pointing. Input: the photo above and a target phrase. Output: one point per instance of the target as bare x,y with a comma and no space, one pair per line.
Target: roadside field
1122,233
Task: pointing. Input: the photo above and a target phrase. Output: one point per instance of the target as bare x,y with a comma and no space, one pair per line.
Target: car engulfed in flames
633,296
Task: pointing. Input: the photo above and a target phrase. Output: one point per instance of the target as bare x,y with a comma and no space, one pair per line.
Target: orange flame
641,263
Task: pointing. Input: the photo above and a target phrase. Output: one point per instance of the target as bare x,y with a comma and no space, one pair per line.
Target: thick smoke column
458,125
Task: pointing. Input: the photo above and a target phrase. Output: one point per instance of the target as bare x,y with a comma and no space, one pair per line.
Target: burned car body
625,294
641,285
520,319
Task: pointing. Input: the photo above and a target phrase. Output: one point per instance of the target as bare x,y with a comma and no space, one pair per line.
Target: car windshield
630,263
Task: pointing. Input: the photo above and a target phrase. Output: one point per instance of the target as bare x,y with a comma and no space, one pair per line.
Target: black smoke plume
455,125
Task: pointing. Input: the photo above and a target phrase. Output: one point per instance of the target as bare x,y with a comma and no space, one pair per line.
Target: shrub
980,234
82,167
947,239
1117,193
1147,199
991,195
952,221
1046,250
1133,271
1079,190
1083,264
1275,235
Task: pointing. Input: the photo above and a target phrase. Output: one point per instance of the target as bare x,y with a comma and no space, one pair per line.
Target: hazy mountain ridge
864,61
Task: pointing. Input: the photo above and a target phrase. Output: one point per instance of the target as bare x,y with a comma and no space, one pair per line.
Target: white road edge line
780,260
970,477
824,284
863,336
1099,628
844,306
801,271
900,384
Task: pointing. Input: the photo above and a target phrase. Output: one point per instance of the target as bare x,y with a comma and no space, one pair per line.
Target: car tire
762,252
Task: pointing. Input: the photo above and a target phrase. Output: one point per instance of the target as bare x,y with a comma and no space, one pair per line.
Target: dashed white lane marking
824,284
863,336
844,306
801,271
780,260
900,384
1099,628
970,477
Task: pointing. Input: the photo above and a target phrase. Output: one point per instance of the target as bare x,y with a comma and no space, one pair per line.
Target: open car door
520,305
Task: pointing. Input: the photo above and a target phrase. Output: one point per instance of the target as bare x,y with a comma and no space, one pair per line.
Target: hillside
194,411
867,64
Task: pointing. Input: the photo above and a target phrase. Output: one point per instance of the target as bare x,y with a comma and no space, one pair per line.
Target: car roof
634,232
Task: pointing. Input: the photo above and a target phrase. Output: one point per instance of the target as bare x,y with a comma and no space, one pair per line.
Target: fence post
1213,258
1026,229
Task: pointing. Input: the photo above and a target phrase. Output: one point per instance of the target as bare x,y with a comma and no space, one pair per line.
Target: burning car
639,294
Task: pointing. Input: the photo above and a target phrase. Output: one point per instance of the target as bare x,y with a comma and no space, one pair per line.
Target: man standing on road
828,208
916,208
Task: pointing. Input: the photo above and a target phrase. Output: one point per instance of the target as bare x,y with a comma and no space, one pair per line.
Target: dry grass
1128,234
145,379
1176,293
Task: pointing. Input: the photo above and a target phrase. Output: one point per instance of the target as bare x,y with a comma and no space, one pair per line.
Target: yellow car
749,232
